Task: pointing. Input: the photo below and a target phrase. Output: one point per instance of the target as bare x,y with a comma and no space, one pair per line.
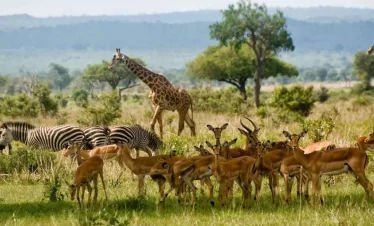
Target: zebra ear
4,125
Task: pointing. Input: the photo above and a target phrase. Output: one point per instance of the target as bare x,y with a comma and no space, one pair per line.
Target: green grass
23,204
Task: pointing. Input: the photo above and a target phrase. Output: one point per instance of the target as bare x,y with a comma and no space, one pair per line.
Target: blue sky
44,8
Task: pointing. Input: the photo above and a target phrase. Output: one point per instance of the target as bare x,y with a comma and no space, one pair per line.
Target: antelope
141,167
87,171
269,164
238,169
335,162
107,152
217,132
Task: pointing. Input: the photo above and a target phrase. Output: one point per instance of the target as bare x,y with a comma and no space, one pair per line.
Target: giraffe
371,50
163,95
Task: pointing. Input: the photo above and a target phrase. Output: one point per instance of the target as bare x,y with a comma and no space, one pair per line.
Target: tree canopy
60,75
227,64
113,76
363,66
252,25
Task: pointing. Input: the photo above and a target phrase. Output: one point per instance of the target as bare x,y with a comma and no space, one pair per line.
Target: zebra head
155,142
6,136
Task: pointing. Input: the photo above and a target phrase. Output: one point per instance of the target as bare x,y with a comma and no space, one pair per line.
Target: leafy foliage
47,104
363,66
318,129
101,73
226,64
103,112
20,105
80,97
60,75
251,24
296,99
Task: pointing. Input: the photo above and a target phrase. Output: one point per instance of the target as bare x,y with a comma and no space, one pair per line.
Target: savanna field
41,197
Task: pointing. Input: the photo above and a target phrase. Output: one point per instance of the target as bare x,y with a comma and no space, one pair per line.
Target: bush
20,105
219,101
361,101
102,113
47,104
296,99
80,97
323,94
318,129
62,100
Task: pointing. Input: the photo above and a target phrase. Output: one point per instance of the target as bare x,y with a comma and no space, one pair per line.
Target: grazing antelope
335,162
87,171
142,166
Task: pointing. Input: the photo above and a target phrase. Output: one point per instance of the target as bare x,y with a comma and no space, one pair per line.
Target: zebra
55,138
95,136
136,137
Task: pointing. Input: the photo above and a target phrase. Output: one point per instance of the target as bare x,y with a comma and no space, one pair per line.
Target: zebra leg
9,149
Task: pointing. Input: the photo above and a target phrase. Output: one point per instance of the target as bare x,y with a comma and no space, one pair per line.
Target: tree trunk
257,84
242,90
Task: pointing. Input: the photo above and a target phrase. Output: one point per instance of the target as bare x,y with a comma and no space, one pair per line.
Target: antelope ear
67,183
233,141
302,134
197,148
210,127
286,134
224,126
209,144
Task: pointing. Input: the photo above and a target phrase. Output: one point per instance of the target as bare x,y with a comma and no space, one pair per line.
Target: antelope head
250,134
294,138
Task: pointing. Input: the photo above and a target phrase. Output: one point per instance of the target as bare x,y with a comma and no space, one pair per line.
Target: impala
141,167
335,162
87,171
238,169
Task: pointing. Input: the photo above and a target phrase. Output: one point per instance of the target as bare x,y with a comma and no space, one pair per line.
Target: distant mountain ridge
316,14
106,35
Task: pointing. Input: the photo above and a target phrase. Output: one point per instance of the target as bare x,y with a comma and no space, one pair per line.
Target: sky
45,8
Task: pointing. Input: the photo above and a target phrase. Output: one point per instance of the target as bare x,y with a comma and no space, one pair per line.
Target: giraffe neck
151,79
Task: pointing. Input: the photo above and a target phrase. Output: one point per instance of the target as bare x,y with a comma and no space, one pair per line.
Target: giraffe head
371,50
117,58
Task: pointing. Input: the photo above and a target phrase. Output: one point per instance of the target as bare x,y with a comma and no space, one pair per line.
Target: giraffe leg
182,117
190,124
157,116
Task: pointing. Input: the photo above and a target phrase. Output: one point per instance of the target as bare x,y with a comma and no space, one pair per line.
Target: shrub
102,113
262,112
20,105
318,129
295,99
80,97
361,101
219,101
323,94
62,100
47,104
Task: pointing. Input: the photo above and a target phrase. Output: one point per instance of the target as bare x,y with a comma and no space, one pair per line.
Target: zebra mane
155,141
16,124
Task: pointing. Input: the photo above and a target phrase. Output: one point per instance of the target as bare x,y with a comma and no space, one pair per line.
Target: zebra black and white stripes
136,137
54,138
96,136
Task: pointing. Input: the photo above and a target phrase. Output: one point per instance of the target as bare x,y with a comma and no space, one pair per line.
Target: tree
251,24
363,66
47,104
226,64
60,74
113,76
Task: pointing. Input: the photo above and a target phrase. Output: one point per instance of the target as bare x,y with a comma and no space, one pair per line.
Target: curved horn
254,125
245,127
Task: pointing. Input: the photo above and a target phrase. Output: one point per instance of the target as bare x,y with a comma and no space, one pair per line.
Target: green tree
363,66
252,25
60,74
47,104
113,76
226,64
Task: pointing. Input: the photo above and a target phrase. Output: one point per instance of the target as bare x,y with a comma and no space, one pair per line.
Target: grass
22,200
